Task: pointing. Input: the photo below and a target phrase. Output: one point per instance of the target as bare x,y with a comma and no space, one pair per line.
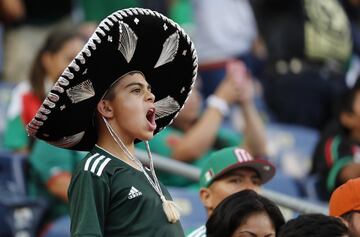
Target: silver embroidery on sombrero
41,116
63,82
74,66
68,141
170,48
127,41
68,74
92,44
80,92
165,107
44,110
53,97
50,104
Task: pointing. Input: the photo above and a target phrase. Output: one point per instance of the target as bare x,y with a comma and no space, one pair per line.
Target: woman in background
60,47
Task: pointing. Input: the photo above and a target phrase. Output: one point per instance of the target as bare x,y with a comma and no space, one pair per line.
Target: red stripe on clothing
31,104
328,154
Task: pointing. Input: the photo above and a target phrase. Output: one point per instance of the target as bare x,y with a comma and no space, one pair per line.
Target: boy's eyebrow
137,84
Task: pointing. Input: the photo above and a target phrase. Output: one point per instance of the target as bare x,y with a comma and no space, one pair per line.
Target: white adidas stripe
93,167
102,166
87,164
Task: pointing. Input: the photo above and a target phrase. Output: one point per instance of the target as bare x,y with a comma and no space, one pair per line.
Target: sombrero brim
128,40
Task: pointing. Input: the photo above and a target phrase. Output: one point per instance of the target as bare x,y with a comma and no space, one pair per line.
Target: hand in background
236,71
12,10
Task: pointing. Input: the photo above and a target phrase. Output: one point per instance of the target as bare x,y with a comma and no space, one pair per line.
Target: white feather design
165,107
170,48
68,141
80,92
127,41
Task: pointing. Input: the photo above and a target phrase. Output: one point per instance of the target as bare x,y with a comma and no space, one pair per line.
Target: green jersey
110,198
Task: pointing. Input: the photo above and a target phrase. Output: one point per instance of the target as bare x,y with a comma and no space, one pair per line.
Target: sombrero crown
128,40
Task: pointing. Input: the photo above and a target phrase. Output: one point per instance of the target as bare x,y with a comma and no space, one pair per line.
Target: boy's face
132,110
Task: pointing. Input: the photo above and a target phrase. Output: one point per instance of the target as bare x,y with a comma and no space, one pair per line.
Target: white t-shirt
223,29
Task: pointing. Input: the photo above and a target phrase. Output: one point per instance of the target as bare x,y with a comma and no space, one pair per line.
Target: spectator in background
193,136
222,32
49,173
10,11
345,203
245,213
314,225
55,54
308,46
228,171
28,31
352,10
96,11
91,13
337,155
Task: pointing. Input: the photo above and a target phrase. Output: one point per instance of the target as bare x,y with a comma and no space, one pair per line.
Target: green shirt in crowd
110,198
46,162
97,10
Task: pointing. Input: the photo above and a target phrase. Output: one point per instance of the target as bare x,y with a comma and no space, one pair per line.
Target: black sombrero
133,39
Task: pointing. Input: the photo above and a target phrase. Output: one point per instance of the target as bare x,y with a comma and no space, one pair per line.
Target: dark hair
53,43
347,100
314,225
110,93
348,215
236,208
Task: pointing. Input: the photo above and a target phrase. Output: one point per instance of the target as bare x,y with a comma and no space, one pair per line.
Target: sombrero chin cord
170,208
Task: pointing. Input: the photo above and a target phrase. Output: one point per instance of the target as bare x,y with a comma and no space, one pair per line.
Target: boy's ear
104,108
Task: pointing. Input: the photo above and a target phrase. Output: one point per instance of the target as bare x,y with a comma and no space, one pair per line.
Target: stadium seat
5,95
313,194
290,148
19,215
193,213
285,184
60,228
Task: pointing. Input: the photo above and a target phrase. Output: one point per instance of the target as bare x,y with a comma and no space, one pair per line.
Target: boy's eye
136,90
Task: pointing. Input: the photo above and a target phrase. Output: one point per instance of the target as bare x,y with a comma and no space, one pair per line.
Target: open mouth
150,116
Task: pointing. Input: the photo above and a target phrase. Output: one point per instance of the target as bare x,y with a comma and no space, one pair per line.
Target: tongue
152,119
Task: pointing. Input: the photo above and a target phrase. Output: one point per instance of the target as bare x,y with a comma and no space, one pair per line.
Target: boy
134,56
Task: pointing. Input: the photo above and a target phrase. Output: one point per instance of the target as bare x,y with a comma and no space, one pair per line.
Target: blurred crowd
293,64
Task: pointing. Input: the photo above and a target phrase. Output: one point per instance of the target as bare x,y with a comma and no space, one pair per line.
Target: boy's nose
151,97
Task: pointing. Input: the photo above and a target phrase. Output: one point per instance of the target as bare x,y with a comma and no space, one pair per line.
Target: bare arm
58,185
199,138
350,171
12,10
254,131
